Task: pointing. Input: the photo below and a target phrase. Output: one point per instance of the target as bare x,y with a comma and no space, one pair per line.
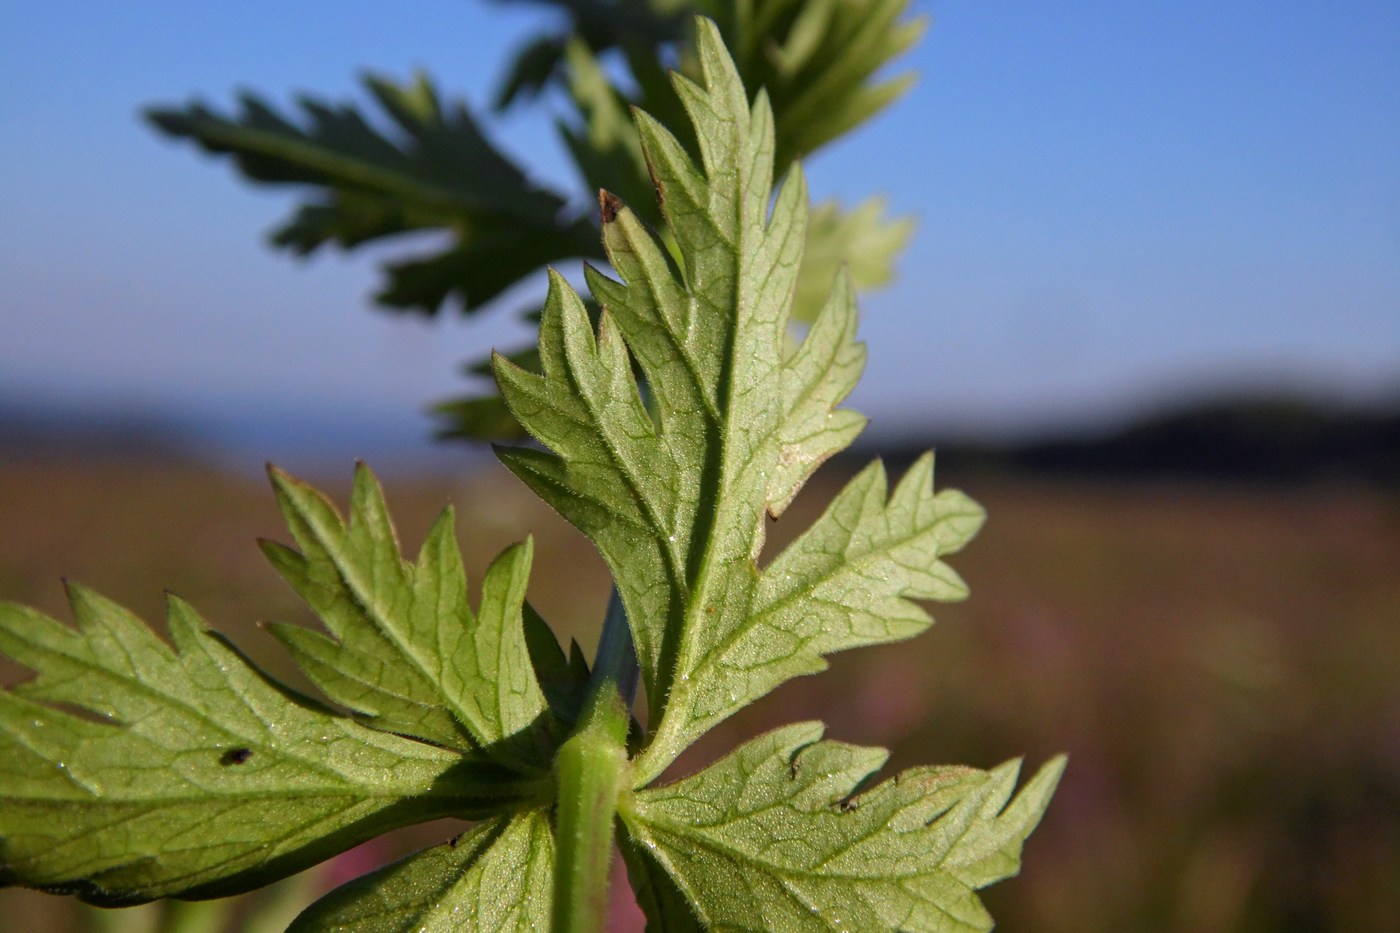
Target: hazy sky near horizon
1115,201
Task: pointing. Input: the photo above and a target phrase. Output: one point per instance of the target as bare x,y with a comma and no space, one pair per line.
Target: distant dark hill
68,432
1257,439
1278,439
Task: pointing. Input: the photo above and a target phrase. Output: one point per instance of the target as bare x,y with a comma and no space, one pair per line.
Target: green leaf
496,876
477,418
600,26
861,241
605,146
663,904
439,173
564,679
674,497
817,60
130,771
783,835
847,581
634,485
408,653
533,67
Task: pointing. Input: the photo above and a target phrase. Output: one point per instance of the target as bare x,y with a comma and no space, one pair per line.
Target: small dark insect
235,756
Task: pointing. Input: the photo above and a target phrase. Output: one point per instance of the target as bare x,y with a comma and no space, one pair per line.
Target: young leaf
861,241
817,59
496,876
600,26
779,836
408,653
675,502
130,771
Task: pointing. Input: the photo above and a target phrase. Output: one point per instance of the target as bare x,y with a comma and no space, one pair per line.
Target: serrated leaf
497,876
130,770
674,497
847,581
563,678
408,653
440,173
816,59
781,835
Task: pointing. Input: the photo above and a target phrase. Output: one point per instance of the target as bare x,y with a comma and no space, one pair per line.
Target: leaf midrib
846,565
140,687
688,610
376,614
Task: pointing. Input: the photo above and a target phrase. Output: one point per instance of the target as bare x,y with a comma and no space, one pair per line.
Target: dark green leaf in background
435,171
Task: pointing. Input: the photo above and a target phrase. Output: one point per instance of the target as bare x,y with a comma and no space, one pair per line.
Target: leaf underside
674,496
496,876
131,769
408,653
165,771
783,835
672,477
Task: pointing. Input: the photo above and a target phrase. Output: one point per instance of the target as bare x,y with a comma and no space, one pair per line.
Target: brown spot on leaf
608,205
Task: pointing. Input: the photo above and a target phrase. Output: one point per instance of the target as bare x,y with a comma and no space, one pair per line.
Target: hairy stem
591,770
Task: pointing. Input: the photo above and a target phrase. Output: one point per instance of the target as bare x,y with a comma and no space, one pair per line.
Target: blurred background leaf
441,174
433,169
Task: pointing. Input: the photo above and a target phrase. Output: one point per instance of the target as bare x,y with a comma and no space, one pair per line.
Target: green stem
590,772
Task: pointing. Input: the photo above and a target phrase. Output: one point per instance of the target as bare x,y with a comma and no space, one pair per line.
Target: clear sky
1116,201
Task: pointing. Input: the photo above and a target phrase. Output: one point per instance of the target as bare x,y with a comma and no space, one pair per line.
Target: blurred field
1220,662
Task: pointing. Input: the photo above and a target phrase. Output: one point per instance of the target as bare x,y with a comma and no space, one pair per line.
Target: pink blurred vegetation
1219,661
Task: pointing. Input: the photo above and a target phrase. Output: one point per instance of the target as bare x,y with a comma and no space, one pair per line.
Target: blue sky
1117,202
